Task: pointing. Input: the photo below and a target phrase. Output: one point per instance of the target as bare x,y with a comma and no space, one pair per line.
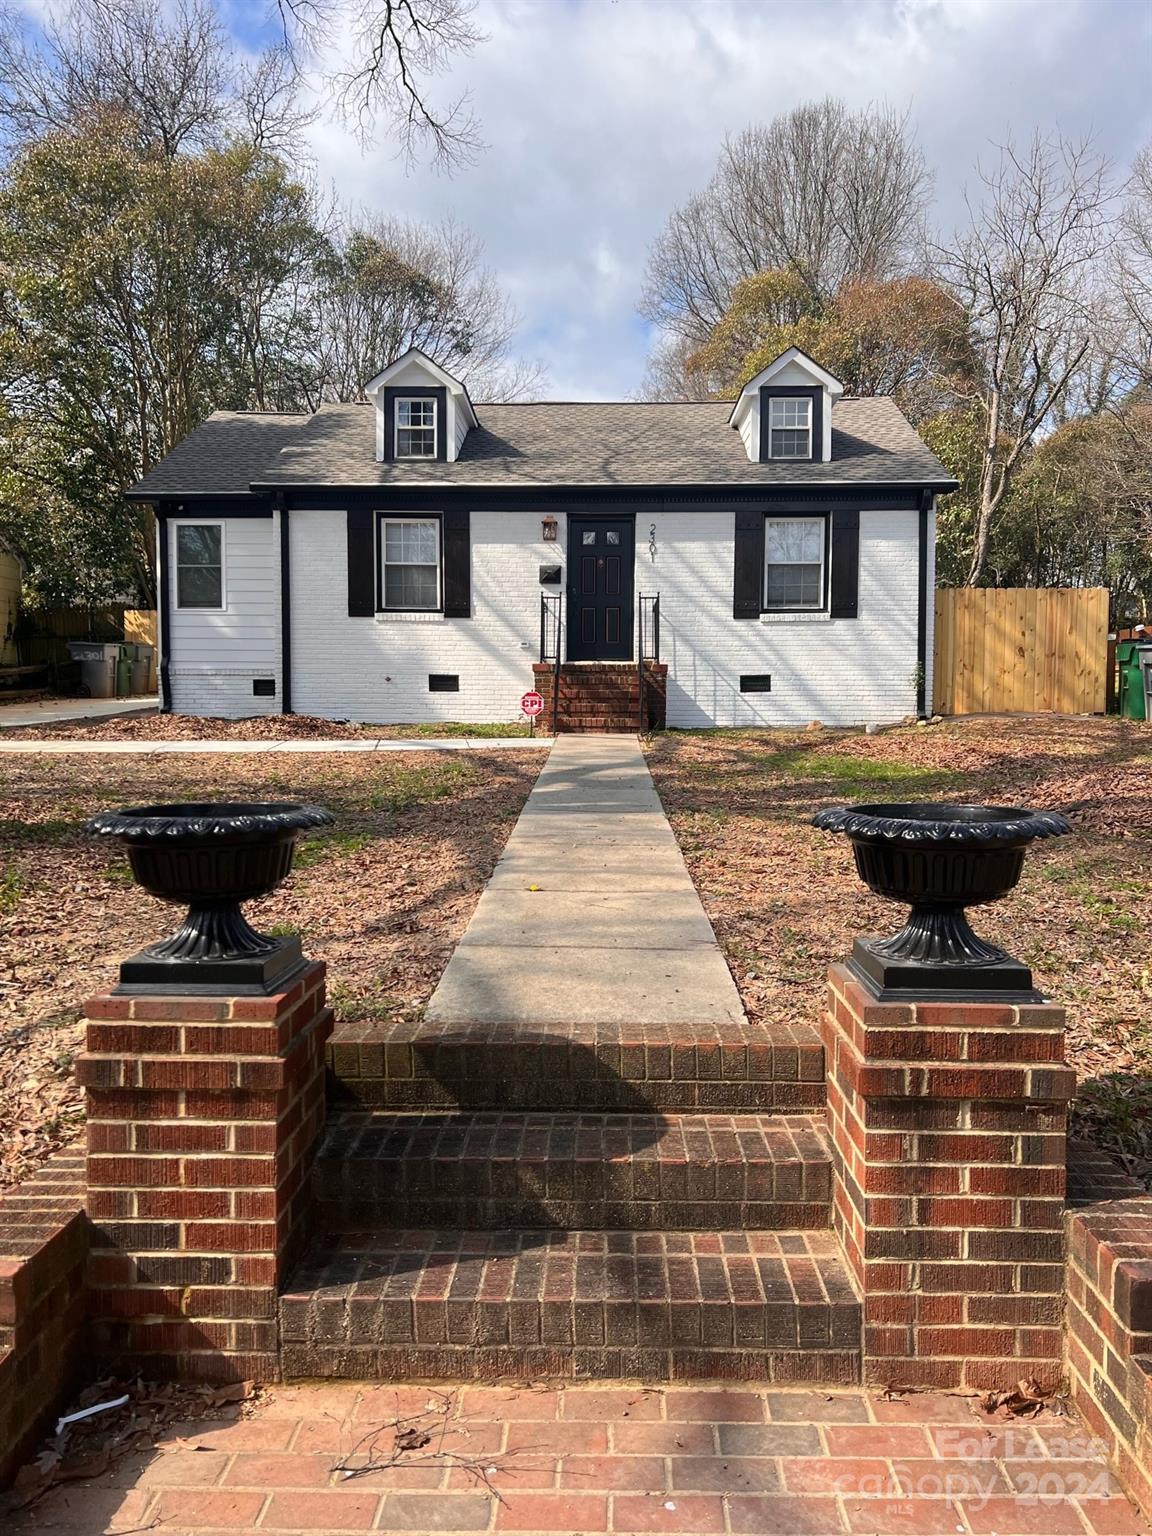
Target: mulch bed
786,901
382,897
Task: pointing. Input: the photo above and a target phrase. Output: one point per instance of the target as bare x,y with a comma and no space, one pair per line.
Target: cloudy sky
600,116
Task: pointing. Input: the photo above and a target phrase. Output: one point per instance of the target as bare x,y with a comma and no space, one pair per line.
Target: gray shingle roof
224,454
551,443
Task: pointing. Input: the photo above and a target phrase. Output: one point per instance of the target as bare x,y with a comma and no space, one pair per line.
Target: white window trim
411,517
418,458
804,400
798,608
199,522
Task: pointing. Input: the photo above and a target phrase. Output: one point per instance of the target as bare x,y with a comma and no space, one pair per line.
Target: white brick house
406,559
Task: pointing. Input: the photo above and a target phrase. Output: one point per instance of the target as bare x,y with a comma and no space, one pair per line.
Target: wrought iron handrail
549,625
552,613
644,652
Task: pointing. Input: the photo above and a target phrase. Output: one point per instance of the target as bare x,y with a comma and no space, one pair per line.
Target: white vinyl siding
216,653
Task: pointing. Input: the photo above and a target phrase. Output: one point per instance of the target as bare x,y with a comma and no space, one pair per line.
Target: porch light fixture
549,528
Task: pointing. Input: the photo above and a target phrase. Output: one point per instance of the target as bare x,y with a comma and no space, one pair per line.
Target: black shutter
361,563
457,566
845,563
748,585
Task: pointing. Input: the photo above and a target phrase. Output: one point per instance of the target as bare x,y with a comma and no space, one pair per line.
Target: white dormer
422,412
785,413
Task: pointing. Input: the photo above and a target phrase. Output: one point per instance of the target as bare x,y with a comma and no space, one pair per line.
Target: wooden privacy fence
48,630
140,628
1022,649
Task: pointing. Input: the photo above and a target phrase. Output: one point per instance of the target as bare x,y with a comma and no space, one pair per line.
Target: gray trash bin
141,669
1144,656
97,666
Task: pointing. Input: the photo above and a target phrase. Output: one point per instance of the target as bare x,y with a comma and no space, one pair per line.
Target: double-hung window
199,565
794,563
410,556
416,429
789,427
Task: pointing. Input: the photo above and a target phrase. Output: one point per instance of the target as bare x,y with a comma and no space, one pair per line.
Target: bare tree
398,48
1135,268
1024,274
826,192
392,284
169,69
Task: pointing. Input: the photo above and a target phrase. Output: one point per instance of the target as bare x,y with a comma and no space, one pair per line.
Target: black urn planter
940,859
211,857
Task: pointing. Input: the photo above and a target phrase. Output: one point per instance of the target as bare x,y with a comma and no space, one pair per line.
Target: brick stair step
532,1305
594,703
634,1068
574,1171
599,723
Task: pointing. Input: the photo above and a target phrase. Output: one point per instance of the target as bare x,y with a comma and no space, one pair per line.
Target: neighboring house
408,559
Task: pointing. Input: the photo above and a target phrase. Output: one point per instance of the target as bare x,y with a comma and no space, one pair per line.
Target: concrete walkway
18,717
590,916
309,744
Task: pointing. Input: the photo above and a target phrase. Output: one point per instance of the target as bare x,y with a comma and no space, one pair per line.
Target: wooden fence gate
1022,649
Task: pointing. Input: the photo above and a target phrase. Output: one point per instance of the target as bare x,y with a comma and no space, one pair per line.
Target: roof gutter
625,487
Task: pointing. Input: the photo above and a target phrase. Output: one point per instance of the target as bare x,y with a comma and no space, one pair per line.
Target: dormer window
784,414
415,428
422,413
789,427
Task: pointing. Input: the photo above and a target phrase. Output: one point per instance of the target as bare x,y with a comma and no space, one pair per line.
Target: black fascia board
902,496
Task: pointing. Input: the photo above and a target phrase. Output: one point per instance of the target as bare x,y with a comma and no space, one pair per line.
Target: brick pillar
203,1117
948,1127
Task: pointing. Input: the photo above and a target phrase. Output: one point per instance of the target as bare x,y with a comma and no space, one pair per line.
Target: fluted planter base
254,974
896,977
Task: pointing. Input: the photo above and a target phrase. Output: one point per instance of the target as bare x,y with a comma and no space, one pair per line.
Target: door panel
601,564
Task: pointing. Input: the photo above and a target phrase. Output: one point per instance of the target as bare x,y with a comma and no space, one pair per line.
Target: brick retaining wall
43,1245
1109,1316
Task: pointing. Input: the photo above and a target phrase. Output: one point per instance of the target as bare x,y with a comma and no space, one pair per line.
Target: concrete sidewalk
54,745
590,916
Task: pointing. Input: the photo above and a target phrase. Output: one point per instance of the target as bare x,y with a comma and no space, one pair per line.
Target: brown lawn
785,899
382,897
158,727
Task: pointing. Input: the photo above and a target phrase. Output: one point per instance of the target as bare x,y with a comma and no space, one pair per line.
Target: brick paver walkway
585,1460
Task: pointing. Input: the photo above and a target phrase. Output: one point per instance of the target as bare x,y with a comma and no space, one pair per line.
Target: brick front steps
574,1171
602,696
478,1306
598,1067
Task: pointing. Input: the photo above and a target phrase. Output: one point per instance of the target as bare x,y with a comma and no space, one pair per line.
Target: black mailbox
549,575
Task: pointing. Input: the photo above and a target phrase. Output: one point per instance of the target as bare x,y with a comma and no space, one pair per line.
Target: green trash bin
124,661
1128,659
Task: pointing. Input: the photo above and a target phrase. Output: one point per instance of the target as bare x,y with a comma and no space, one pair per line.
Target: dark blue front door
601,560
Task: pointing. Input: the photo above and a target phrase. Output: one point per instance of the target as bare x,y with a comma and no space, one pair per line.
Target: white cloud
601,115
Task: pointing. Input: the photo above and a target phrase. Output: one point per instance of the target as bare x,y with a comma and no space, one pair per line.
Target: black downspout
162,536
285,609
922,606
